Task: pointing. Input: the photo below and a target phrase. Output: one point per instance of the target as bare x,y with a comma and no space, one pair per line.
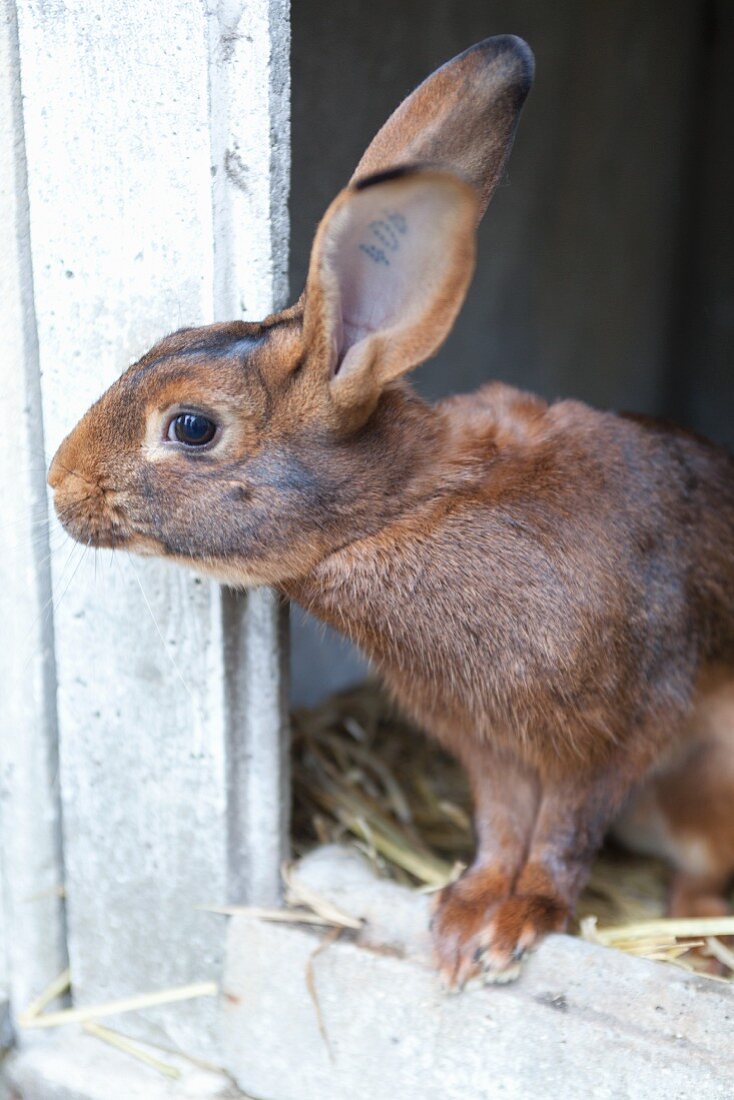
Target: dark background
605,267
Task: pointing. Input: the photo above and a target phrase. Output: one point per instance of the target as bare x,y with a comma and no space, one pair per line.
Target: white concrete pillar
32,938
148,212
5,1024
250,135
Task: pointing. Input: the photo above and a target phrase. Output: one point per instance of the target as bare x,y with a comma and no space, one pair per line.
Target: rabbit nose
58,471
55,474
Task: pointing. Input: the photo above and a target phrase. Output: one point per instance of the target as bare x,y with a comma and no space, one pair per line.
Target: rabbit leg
530,868
570,825
505,806
684,813
696,802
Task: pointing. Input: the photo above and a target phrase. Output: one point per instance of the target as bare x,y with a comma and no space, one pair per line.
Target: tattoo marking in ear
387,231
375,254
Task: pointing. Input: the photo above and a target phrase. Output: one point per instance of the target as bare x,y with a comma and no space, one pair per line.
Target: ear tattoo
388,232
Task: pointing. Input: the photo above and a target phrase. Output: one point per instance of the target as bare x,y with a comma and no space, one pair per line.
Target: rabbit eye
193,429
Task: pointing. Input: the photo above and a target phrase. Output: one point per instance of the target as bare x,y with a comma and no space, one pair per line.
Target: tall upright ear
390,266
462,118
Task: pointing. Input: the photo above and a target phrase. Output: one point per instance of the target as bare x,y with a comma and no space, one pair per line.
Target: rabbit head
252,449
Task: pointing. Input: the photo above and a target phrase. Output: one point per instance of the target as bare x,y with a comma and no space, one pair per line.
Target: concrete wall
33,941
143,186
603,272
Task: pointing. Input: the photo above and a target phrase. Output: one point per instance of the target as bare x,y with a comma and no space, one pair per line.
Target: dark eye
193,429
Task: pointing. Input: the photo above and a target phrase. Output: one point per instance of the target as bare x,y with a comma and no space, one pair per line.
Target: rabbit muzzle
86,507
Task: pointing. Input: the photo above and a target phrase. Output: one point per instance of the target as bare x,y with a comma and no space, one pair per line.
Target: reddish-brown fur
547,589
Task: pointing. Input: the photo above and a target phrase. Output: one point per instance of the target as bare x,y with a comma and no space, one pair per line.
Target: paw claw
475,940
502,977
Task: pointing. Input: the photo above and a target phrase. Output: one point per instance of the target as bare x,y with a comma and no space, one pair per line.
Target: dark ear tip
383,177
400,171
515,54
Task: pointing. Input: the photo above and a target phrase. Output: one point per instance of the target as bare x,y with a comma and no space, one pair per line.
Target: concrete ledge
6,1025
77,1067
6,1038
582,1021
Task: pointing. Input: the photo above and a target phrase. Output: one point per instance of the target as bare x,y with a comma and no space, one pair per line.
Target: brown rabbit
547,589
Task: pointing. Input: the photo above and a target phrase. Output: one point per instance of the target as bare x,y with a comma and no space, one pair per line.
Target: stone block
372,1023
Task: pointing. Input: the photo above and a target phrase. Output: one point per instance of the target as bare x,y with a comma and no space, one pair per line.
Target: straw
278,916
113,1008
121,1042
55,989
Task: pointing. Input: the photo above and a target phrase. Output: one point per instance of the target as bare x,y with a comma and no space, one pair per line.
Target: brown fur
547,589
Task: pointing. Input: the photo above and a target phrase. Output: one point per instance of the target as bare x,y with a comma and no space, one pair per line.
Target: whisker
160,635
57,603
41,563
15,523
18,540
46,611
67,563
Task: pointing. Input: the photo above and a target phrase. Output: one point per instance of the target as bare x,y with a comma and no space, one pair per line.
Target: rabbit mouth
88,513
101,532
93,523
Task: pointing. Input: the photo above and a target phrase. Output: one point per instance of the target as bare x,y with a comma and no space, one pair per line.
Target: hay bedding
363,776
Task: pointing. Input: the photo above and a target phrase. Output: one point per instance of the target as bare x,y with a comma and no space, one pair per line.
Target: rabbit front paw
487,938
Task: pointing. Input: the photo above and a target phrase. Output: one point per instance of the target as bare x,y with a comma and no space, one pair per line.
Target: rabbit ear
390,266
462,117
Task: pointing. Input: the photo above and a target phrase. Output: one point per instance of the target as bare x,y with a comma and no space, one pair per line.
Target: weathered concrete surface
131,119
78,1067
258,744
117,135
394,918
582,1021
250,139
6,1029
32,939
4,971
